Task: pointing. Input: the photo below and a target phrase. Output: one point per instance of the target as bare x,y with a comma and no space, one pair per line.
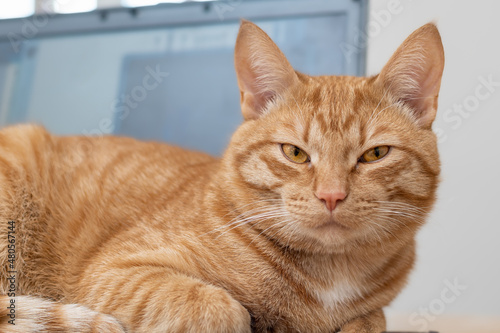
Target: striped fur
118,235
34,315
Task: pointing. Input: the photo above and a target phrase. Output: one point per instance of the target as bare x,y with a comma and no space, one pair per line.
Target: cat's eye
294,153
374,154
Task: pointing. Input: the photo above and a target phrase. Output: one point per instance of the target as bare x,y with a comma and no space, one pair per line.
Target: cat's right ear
262,70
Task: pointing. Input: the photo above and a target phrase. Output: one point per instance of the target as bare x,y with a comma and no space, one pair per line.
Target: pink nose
331,199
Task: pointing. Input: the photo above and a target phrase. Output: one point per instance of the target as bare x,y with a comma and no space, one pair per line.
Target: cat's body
166,240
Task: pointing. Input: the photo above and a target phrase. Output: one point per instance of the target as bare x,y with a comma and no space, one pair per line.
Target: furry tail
27,314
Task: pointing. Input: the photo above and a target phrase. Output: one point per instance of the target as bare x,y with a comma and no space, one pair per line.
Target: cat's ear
413,74
263,71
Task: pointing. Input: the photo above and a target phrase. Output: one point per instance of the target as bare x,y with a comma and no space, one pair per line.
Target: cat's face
324,163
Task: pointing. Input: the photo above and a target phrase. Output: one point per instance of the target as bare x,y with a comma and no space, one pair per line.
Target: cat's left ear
413,74
262,69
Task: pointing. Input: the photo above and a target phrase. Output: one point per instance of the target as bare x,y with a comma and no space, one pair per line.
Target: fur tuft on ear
413,74
263,71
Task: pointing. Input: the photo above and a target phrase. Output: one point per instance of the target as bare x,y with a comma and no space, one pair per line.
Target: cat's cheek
415,184
257,174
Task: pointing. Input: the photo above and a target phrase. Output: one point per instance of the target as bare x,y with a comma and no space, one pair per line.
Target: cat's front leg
193,306
374,322
161,300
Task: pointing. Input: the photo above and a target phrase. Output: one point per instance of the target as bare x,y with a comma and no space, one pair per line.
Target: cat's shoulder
23,130
19,139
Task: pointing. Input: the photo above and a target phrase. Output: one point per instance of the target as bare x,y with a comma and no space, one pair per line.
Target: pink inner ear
425,103
253,104
262,70
418,87
254,94
413,74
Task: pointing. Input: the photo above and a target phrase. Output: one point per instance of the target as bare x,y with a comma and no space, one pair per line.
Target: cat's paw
107,324
358,329
373,322
199,307
221,313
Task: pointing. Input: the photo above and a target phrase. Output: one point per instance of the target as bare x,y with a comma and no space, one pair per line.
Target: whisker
401,213
399,203
238,209
248,214
243,217
254,215
395,222
256,218
292,232
374,230
263,231
385,228
392,218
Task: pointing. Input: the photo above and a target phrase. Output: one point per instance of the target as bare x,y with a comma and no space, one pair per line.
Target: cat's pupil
296,152
377,152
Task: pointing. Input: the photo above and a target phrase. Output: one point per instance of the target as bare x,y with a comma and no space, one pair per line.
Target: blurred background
160,72
163,70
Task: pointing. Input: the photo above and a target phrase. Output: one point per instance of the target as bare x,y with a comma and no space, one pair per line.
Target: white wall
461,240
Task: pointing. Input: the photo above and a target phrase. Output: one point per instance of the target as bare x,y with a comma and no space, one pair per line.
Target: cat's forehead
336,110
340,99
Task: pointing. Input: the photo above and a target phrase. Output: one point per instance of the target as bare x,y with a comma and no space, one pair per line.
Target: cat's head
324,163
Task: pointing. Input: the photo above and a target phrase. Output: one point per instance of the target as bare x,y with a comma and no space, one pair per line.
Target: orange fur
168,240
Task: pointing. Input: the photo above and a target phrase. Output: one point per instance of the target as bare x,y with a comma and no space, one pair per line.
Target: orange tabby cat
306,224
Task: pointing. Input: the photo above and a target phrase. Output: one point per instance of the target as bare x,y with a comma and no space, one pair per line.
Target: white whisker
272,226
254,218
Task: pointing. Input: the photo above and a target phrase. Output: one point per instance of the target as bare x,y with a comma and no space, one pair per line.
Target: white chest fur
341,292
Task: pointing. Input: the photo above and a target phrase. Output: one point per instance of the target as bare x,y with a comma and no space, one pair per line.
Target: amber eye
374,154
294,153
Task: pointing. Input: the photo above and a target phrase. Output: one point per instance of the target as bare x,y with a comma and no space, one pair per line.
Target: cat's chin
331,232
327,236
331,225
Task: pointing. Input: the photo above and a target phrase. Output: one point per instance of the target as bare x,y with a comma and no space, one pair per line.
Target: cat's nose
331,198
